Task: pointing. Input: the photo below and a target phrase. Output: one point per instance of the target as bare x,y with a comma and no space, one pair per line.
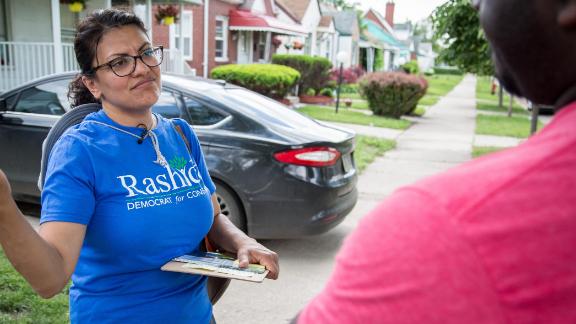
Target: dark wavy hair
88,34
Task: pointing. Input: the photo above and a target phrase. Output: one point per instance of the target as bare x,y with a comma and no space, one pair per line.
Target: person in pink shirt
491,241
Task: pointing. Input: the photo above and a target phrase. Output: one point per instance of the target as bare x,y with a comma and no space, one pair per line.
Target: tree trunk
500,96
534,119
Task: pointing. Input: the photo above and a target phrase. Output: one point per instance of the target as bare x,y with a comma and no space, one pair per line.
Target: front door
244,47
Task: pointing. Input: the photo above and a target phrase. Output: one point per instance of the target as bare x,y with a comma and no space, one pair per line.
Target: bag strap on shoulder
69,119
184,138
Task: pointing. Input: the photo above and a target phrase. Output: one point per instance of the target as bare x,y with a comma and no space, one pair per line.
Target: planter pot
316,100
76,7
284,101
168,20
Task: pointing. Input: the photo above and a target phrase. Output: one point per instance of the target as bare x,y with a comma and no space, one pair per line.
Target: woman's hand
251,251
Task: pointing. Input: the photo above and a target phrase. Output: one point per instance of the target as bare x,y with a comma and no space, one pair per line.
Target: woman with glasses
123,194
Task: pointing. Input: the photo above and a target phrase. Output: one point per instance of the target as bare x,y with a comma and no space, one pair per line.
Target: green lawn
483,91
361,105
20,304
440,85
516,109
504,126
478,151
368,148
350,95
429,100
352,117
419,112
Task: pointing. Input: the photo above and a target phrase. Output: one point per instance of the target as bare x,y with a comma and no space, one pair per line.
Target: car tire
230,206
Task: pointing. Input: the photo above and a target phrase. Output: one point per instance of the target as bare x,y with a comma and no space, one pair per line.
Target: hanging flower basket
297,45
74,5
167,15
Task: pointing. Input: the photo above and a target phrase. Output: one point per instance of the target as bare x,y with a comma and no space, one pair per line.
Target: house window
328,48
221,48
186,34
262,45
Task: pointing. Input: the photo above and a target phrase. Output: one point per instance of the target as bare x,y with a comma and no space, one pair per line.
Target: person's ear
567,14
90,83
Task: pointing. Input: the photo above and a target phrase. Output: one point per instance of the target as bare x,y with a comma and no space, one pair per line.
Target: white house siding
259,6
345,43
29,20
3,34
282,16
310,22
402,34
327,42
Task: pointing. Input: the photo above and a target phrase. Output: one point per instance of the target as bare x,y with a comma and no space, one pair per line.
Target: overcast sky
413,10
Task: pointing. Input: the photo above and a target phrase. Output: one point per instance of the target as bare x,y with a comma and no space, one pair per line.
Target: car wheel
230,206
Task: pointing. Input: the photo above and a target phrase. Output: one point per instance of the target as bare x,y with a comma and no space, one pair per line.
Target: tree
340,4
462,42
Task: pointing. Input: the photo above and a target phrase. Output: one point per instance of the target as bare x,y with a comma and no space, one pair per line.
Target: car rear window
263,108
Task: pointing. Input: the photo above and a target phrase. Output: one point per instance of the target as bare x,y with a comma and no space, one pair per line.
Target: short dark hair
88,35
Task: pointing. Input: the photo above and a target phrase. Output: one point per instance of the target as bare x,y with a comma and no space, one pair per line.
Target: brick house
237,32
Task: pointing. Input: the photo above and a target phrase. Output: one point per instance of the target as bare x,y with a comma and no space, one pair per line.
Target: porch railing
21,62
174,63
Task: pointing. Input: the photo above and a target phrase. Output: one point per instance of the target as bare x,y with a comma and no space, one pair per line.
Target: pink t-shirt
491,241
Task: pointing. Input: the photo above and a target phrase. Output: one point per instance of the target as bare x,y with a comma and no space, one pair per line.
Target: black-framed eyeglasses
126,64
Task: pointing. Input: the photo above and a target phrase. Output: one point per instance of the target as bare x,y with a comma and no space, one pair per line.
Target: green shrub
392,94
326,92
310,92
314,70
447,70
268,79
411,67
349,88
423,89
378,60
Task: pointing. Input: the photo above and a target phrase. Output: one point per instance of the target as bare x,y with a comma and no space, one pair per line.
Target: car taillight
309,156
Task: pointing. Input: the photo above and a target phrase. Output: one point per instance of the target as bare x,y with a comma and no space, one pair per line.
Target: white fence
21,62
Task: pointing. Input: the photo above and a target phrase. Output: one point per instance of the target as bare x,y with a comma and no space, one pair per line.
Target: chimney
390,13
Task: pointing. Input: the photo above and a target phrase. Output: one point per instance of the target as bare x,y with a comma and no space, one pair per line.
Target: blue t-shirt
139,215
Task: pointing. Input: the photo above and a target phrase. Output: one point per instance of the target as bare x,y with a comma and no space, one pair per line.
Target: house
36,38
321,37
348,35
327,38
238,32
380,29
420,49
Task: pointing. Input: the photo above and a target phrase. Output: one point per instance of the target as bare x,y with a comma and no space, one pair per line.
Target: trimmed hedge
270,80
314,70
392,94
